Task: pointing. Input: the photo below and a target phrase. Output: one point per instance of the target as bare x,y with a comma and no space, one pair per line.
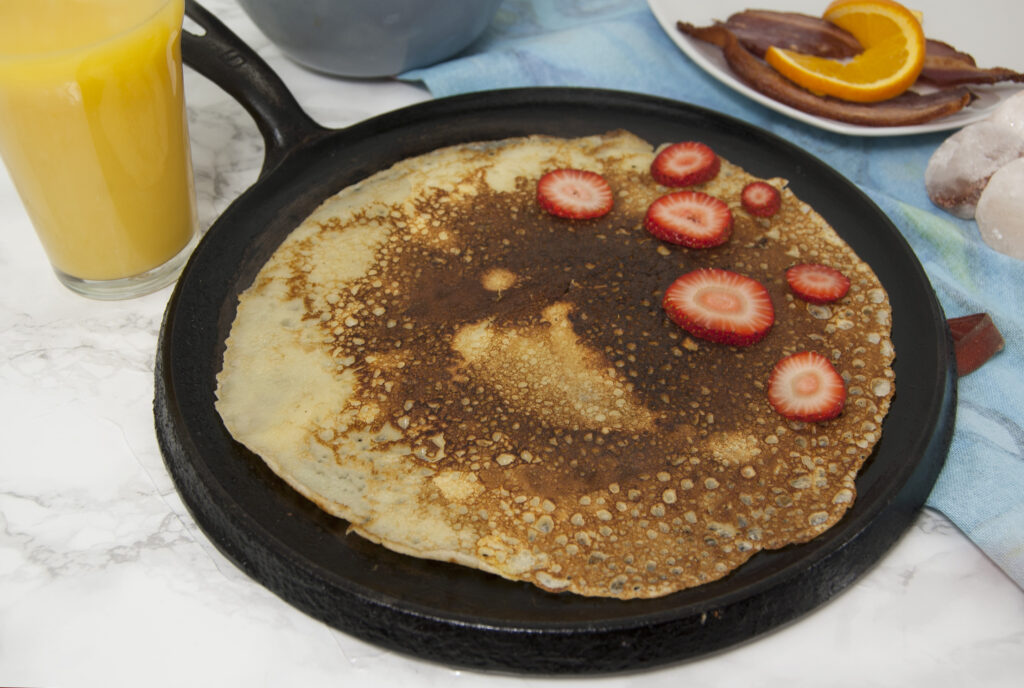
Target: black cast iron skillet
447,613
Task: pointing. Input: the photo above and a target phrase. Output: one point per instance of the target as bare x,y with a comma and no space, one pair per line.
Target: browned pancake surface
534,412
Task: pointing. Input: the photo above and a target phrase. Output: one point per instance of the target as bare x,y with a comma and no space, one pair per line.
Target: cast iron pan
458,616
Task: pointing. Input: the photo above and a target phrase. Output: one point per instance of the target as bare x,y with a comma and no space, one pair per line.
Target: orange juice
93,131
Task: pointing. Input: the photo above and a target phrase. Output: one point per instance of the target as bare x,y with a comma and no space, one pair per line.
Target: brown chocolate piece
975,340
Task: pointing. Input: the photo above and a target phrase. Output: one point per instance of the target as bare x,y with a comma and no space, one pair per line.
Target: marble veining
105,580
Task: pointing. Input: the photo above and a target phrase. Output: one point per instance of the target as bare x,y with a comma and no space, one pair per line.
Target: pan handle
226,60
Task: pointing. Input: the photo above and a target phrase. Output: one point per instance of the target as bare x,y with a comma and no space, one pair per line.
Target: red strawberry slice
689,218
685,164
761,199
575,194
720,306
817,283
805,386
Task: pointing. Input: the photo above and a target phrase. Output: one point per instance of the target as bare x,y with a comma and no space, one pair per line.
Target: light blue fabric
618,44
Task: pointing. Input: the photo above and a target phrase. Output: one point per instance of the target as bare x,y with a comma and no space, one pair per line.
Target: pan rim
178,445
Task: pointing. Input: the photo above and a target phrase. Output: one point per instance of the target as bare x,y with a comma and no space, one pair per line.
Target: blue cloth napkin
618,44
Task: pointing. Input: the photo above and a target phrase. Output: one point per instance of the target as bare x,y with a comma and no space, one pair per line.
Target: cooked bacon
757,30
944,65
907,109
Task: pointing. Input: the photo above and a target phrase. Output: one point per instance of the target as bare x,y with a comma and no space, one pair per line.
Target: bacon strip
944,65
758,30
907,109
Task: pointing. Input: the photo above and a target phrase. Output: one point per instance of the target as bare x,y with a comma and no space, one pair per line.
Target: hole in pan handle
226,60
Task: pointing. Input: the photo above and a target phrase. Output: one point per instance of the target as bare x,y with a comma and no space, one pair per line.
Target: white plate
987,29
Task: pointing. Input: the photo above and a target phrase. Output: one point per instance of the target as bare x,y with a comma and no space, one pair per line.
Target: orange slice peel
893,56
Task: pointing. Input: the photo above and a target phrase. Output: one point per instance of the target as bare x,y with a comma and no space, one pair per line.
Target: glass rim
10,58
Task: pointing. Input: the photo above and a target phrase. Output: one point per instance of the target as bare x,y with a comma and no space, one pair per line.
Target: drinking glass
94,135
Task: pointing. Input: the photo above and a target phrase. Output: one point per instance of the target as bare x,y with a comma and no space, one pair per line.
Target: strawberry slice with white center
816,283
685,164
720,306
805,387
574,194
761,199
689,218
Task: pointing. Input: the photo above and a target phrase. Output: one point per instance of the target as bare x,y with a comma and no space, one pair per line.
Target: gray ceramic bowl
370,38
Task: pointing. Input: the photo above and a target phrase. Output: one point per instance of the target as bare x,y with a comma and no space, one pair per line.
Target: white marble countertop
105,580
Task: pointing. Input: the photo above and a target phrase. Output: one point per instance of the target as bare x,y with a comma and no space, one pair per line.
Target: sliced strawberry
575,194
761,199
720,306
817,283
805,386
689,218
685,164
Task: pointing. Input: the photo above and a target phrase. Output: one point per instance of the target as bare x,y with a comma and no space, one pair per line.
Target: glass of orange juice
94,135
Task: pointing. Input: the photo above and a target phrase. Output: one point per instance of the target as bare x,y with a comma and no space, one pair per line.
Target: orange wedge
893,56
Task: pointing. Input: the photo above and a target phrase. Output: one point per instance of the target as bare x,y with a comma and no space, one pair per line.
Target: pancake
463,377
